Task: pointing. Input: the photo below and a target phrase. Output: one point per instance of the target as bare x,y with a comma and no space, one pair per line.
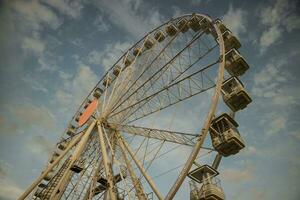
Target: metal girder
73,142
106,164
78,181
142,169
78,150
136,182
164,135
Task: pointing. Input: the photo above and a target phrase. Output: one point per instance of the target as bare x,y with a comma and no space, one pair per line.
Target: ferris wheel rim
196,148
212,107
211,111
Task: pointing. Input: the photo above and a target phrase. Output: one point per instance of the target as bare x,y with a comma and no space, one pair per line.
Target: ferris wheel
112,149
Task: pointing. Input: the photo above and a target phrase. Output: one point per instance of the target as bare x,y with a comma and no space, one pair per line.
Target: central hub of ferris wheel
103,154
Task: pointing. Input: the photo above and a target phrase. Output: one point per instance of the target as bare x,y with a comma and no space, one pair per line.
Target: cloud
292,22
48,61
46,58
198,2
249,151
109,55
237,176
40,145
63,75
63,97
296,134
236,19
276,95
270,36
8,189
131,15
34,45
75,88
274,123
176,11
34,84
267,80
20,118
84,80
32,15
95,57
66,7
100,24
32,19
33,115
257,194
276,18
77,42
272,82
285,99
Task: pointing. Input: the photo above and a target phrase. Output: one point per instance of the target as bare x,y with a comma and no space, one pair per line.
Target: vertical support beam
105,196
113,148
50,167
137,184
91,190
217,161
106,163
68,175
56,193
141,168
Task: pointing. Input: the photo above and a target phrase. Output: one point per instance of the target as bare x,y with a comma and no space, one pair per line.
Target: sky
54,52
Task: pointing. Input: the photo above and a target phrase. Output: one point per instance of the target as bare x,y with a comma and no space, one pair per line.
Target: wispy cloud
272,82
40,145
274,123
100,24
109,55
236,20
237,176
198,2
21,118
270,36
33,15
34,84
274,93
32,18
33,44
132,15
75,88
276,19
9,190
66,7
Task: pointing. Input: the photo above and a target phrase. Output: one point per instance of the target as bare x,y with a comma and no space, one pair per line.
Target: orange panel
88,112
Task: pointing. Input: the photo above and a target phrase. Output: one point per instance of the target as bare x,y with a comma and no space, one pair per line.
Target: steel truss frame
167,75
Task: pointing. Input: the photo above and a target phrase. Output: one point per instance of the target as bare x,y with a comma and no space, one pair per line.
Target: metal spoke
141,168
164,67
170,95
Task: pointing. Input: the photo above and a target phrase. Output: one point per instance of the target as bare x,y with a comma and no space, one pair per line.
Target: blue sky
53,53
